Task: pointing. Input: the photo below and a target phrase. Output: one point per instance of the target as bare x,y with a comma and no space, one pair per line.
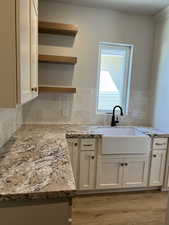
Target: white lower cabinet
73,145
157,167
87,170
135,173
95,171
113,172
109,173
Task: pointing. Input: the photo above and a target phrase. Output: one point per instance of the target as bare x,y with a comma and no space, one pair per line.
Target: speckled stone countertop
152,132
35,163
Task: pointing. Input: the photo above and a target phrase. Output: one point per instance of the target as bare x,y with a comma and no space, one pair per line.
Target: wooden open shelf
58,59
57,28
57,89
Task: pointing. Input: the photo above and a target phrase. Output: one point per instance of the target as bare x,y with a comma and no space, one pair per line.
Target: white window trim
99,112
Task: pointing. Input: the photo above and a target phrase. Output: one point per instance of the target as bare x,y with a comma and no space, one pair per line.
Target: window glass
114,77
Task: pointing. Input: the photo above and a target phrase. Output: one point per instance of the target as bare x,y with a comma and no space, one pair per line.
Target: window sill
104,113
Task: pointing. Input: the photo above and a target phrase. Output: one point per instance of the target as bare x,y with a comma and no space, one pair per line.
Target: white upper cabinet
18,55
34,47
23,51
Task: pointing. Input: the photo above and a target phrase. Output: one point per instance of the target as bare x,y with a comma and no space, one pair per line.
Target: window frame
128,80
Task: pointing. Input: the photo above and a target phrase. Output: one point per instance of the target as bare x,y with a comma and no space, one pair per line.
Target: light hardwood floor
141,208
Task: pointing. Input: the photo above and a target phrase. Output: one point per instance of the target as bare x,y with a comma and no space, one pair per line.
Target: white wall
160,94
10,120
95,25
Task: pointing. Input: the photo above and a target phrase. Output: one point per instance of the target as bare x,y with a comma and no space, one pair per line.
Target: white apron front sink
124,141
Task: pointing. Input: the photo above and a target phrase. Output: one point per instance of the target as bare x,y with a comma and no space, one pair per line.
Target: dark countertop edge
83,135
157,135
38,196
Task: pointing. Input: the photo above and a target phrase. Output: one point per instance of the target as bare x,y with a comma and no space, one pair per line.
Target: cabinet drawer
88,144
160,143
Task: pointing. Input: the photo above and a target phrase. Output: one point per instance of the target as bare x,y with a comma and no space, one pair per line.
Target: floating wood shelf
57,89
57,28
58,59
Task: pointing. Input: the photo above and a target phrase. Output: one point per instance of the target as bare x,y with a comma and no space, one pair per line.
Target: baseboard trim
164,189
90,192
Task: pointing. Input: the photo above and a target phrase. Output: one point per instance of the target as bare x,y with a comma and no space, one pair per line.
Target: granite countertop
35,163
152,132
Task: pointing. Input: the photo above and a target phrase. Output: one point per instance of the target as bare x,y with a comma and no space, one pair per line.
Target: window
115,62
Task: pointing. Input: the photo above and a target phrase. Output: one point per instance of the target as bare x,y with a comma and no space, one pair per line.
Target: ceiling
148,7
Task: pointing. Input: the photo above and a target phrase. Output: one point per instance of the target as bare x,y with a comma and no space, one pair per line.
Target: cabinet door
34,48
8,60
167,179
39,213
73,146
109,173
135,172
87,170
157,168
36,4
23,51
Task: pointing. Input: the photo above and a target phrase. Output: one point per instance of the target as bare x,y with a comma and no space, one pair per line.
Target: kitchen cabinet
160,143
73,146
109,173
122,172
135,171
95,171
87,170
34,48
166,175
157,167
18,55
37,212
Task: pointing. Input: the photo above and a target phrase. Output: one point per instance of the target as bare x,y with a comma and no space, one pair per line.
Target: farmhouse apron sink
124,141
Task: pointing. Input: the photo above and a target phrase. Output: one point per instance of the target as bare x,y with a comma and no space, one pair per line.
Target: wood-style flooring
141,208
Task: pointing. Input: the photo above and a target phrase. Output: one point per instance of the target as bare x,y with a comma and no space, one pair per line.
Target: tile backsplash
81,109
10,120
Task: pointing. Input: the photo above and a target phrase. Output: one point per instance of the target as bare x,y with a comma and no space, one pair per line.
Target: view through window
114,76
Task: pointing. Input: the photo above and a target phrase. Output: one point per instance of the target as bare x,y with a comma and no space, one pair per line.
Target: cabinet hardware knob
126,164
35,89
122,164
70,220
154,156
93,157
76,144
